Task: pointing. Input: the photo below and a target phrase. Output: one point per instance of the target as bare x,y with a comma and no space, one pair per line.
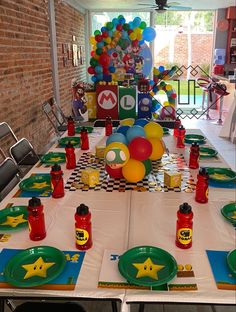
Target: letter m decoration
107,101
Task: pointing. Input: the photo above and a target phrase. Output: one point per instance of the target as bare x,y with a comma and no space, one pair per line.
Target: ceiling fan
163,5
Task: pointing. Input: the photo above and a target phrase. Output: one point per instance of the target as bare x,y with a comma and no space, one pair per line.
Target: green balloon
148,166
142,25
126,26
109,25
93,62
97,32
99,51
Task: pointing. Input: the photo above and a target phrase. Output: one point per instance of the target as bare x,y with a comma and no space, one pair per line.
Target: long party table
122,220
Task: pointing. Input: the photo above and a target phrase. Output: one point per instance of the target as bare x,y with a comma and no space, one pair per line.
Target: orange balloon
133,171
158,148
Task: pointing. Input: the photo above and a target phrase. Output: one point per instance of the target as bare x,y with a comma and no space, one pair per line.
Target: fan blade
180,8
173,3
146,4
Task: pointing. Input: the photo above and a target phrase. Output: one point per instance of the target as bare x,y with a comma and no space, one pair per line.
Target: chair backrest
7,138
101,123
49,306
55,115
9,176
24,154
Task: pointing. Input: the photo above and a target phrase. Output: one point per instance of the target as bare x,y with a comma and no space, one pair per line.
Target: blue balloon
141,122
149,34
98,69
121,20
100,44
115,21
122,129
161,68
94,78
103,29
116,137
99,76
135,131
112,69
136,21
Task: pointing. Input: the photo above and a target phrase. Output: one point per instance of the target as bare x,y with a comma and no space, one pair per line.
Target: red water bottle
70,156
70,126
184,226
83,228
194,156
36,220
108,126
57,181
177,124
84,139
201,194
181,137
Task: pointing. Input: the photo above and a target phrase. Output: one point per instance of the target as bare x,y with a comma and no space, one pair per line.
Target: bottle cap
83,129
69,145
185,208
195,144
181,127
56,167
34,202
70,118
203,171
82,210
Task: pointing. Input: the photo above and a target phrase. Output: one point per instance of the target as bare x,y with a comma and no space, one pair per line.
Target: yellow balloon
166,103
153,130
92,40
127,122
133,36
139,36
168,87
158,148
107,40
133,171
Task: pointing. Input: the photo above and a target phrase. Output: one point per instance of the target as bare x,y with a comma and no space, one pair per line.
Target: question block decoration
127,102
91,104
107,101
144,105
172,179
90,176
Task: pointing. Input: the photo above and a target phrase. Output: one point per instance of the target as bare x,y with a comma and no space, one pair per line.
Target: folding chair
7,138
55,115
24,155
101,123
49,307
9,176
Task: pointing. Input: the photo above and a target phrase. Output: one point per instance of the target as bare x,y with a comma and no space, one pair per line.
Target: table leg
220,111
141,307
114,306
2,305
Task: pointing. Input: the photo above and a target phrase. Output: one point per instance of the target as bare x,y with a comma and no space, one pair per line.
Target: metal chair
9,176
24,155
9,137
101,123
55,115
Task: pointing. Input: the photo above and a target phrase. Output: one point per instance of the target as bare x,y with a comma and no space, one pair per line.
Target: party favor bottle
177,124
83,231
84,139
184,226
181,137
194,156
201,193
70,126
57,181
70,156
36,220
108,126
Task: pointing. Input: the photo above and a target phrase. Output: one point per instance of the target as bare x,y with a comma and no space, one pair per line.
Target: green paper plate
166,130
78,129
229,212
13,218
52,158
231,261
207,152
194,138
160,266
221,174
44,264
36,183
73,140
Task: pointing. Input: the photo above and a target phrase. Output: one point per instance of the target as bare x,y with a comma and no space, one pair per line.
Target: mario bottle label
83,228
184,226
81,236
184,236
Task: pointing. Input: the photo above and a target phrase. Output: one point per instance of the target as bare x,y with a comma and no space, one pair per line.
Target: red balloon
98,38
91,70
119,27
140,148
104,34
104,59
130,31
114,173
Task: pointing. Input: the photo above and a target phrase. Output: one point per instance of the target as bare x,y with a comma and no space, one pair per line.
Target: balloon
158,148
140,148
153,130
97,32
122,129
116,154
100,44
148,166
116,137
109,25
104,59
141,122
93,62
135,131
136,21
133,171
98,38
114,173
98,69
121,20
92,40
91,70
112,69
142,25
126,26
127,122
94,79
149,34
119,27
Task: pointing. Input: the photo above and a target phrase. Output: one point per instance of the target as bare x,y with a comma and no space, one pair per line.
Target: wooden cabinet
231,39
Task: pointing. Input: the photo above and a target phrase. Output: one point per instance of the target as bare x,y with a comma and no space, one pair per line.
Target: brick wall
25,65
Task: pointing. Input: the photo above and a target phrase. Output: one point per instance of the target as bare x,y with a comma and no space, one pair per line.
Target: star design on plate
14,221
55,159
233,216
38,268
148,268
40,185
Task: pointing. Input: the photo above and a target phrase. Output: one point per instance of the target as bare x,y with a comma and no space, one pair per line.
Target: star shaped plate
147,266
194,138
75,141
34,266
36,183
89,129
229,212
221,174
207,152
52,158
13,218
231,261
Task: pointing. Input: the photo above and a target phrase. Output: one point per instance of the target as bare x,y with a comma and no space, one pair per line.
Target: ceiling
133,4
